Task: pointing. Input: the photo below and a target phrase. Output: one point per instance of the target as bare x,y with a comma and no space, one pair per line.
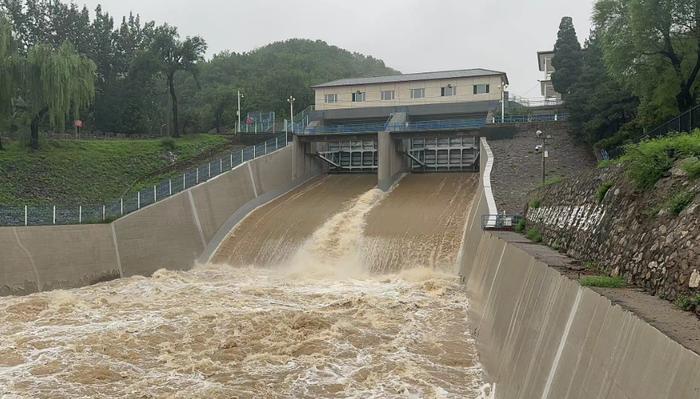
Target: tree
8,72
653,47
57,83
567,57
173,56
597,105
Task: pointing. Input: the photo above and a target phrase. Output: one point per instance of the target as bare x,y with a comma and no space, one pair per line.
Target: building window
417,93
331,98
359,97
448,91
388,95
481,89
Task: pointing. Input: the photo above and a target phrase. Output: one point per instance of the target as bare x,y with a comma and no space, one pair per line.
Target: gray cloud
409,35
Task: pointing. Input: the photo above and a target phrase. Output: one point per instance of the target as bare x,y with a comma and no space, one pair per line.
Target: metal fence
685,122
112,210
500,222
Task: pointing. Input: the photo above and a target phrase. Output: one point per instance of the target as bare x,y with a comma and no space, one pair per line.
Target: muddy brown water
333,290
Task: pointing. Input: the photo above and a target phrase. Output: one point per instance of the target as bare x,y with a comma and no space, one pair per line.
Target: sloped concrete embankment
542,335
171,234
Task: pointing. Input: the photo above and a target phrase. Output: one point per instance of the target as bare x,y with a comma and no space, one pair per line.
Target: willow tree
173,55
58,84
8,70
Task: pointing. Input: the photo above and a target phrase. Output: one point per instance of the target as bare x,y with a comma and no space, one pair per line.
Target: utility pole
504,87
238,128
291,100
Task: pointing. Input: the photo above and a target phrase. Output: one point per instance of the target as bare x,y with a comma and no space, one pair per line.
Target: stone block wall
626,232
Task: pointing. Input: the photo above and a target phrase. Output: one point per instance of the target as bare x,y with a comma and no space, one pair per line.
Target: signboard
78,123
249,121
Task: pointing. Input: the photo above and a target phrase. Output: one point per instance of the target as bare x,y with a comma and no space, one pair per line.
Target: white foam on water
320,325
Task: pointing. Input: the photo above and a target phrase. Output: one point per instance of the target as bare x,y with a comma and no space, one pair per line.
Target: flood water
340,309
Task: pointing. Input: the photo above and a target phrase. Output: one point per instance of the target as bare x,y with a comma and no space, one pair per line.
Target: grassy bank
91,171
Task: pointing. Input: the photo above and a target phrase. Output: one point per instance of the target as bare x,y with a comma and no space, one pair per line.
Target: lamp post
238,112
291,100
503,88
545,153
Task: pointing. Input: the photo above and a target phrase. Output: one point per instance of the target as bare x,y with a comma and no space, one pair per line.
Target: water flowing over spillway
334,290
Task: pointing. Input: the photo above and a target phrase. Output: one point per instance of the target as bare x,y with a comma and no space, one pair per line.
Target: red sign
78,123
249,121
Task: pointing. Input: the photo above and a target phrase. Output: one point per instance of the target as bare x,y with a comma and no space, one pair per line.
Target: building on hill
461,93
544,59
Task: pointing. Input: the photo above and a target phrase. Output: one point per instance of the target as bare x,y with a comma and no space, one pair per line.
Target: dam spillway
328,291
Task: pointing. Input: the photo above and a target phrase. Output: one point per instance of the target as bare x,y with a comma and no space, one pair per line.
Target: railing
301,120
112,210
685,122
500,222
534,103
514,119
346,129
447,124
262,122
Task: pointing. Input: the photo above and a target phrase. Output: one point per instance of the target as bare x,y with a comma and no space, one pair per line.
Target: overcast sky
409,35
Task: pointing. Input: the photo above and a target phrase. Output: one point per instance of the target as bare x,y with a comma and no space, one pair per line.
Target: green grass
649,160
551,181
688,303
534,235
603,282
91,171
606,163
535,203
603,190
692,167
520,227
679,202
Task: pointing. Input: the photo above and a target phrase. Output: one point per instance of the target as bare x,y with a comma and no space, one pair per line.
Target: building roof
413,77
540,58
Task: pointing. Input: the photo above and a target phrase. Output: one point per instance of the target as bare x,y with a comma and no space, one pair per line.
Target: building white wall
402,90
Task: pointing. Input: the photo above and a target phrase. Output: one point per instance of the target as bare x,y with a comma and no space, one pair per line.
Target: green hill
93,171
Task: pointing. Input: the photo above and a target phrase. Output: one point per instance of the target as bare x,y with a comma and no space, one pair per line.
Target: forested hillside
134,61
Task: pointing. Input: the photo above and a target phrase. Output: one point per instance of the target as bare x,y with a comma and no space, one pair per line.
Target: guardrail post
209,172
54,214
26,216
254,154
266,148
155,194
104,213
184,181
170,187
138,200
231,160
121,206
556,117
277,143
197,178
241,156
80,214
221,165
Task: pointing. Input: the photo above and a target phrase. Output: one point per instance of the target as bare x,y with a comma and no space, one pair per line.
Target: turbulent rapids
334,290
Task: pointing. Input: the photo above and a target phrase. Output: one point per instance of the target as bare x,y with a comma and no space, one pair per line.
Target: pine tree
567,58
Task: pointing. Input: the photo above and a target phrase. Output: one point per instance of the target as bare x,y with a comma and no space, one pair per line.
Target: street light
238,129
291,100
545,153
503,87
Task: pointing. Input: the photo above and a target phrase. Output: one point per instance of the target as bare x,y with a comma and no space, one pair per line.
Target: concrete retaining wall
171,234
541,335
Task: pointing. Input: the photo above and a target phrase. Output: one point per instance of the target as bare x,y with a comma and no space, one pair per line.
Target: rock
694,281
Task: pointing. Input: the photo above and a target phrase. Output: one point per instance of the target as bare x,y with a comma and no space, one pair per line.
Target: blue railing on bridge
513,119
347,129
446,124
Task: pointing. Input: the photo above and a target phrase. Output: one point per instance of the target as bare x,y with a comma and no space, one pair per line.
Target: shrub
534,235
535,203
606,163
168,143
688,303
603,190
603,282
679,201
520,227
647,161
692,167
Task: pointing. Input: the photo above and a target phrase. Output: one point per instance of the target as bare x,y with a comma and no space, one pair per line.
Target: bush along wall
648,233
